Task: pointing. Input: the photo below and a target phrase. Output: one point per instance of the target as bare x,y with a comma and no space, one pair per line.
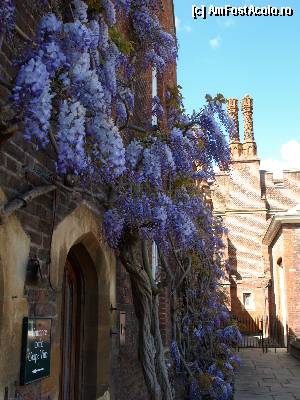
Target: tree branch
5,107
184,275
125,125
175,255
21,201
165,265
148,268
53,141
7,133
6,84
23,35
151,352
136,128
1,39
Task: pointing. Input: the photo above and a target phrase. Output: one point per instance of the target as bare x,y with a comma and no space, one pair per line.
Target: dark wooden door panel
71,341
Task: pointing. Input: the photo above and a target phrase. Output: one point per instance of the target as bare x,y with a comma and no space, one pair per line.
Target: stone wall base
294,349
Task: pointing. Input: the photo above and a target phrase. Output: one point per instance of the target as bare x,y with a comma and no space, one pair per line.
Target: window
154,92
154,260
247,300
154,263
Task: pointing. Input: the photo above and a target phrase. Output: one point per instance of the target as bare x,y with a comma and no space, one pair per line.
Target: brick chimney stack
249,146
233,111
235,143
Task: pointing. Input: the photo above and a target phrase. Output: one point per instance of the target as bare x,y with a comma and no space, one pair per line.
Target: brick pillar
235,144
249,147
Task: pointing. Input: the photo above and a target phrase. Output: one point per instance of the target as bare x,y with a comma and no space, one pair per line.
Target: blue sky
235,56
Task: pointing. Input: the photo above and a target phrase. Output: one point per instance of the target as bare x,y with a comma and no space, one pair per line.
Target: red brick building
52,250
281,245
249,200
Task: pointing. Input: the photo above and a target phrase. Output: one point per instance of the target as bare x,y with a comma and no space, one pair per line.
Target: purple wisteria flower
32,94
110,12
48,28
71,138
133,153
121,112
107,147
7,17
113,224
161,45
80,10
124,5
157,108
176,355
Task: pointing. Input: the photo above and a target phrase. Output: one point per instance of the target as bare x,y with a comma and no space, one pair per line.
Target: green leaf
124,45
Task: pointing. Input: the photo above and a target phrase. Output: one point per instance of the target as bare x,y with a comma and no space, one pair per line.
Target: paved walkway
267,376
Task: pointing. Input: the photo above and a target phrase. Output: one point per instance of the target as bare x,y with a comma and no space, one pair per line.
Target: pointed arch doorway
79,327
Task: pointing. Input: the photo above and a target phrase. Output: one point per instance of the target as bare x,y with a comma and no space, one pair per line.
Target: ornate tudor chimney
249,146
235,143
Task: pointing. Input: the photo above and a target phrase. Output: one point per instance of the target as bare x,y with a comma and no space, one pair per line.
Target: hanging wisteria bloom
7,17
124,5
76,87
107,147
110,12
80,10
33,94
71,138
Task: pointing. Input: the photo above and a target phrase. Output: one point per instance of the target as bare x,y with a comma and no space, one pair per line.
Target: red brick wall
291,264
276,253
285,250
130,382
237,198
281,194
246,198
39,218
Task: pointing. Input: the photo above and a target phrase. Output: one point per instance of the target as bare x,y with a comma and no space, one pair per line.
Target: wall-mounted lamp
33,270
122,327
270,284
113,308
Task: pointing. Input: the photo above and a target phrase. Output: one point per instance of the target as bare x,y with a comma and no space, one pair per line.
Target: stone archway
80,321
83,227
14,254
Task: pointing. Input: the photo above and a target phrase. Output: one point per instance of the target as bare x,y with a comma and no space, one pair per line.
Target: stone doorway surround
14,255
83,226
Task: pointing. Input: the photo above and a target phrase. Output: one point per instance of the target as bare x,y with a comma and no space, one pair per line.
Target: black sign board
36,348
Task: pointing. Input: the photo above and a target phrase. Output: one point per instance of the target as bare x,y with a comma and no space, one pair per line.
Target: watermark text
204,11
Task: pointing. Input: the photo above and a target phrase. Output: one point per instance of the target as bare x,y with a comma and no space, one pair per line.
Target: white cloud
290,159
215,42
179,26
177,22
228,22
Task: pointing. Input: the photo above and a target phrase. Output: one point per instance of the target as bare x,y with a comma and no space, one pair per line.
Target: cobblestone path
267,376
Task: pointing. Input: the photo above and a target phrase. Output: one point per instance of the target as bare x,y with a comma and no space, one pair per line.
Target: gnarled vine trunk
146,303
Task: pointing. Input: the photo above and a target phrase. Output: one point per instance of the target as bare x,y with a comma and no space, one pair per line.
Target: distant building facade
249,200
281,247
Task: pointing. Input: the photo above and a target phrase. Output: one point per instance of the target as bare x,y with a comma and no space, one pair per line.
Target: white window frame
154,263
154,92
154,121
251,305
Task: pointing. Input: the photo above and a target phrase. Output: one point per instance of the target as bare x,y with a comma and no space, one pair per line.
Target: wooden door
71,329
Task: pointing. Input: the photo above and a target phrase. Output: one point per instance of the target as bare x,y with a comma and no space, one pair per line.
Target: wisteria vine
75,87
7,19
